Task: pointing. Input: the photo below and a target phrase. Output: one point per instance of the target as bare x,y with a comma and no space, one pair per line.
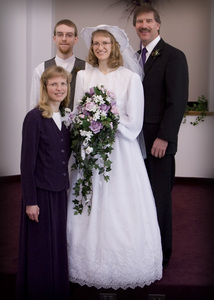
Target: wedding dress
118,245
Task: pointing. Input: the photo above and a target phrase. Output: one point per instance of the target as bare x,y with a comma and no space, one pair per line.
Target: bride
118,244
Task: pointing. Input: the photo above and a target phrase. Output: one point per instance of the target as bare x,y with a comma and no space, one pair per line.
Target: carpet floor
189,275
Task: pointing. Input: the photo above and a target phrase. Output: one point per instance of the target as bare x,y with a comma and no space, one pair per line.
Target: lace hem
114,285
107,269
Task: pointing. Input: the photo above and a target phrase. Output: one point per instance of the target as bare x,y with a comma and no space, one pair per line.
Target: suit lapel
151,60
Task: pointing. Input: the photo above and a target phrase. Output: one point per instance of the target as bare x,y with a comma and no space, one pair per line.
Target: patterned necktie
143,55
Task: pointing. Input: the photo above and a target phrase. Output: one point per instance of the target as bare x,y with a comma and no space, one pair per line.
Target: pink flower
104,107
91,91
111,94
96,126
81,116
115,109
85,112
90,106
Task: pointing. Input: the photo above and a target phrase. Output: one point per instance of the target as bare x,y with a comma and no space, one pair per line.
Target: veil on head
130,57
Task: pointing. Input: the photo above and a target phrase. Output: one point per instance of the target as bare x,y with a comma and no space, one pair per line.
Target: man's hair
146,8
68,23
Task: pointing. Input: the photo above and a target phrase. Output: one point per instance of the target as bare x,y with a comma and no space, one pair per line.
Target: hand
33,212
159,148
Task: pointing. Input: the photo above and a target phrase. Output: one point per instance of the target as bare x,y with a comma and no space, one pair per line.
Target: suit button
62,151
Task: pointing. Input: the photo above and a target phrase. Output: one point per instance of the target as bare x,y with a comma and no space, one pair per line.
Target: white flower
67,110
83,132
89,150
104,114
95,99
89,134
78,120
110,99
100,86
82,152
85,142
88,100
96,116
100,99
67,118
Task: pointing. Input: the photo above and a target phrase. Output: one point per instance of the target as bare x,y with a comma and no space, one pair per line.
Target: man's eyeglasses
103,44
67,35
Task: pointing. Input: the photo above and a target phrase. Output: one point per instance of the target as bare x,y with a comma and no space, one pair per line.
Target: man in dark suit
166,94
65,37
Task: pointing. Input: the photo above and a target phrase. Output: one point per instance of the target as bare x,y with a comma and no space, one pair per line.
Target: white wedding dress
118,245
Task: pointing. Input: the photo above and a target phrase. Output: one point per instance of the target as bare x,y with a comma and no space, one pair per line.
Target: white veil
131,61
130,57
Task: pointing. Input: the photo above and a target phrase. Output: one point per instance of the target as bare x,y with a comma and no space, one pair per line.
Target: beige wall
185,25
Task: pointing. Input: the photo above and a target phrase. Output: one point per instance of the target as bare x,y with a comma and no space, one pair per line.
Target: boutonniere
66,116
156,53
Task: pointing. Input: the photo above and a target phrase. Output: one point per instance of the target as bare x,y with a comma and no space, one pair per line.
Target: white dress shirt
67,64
57,119
151,46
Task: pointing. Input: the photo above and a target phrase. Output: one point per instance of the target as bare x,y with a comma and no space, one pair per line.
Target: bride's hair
115,59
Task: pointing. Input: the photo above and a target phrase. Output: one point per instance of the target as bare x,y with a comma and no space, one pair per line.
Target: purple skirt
43,266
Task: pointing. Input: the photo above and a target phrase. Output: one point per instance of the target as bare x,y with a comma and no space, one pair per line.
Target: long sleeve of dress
30,142
131,114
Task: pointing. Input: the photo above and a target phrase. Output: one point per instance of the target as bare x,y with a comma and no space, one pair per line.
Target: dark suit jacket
166,95
44,156
78,65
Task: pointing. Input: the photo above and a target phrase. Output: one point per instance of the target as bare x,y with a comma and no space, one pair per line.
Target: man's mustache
144,30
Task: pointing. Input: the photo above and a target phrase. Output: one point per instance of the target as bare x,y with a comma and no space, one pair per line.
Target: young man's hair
68,23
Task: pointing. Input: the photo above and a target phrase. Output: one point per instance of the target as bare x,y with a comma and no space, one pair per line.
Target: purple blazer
44,156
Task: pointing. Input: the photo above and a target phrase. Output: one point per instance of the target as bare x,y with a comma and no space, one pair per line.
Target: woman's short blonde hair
55,71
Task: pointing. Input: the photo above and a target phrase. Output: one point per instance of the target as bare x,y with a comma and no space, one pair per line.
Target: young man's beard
65,51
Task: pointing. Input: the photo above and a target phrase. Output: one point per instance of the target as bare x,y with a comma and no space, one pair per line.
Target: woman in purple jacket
42,268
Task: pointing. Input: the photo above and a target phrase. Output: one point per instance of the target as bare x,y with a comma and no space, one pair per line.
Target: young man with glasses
65,37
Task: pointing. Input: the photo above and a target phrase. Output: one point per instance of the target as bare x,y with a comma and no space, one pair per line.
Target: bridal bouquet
93,133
